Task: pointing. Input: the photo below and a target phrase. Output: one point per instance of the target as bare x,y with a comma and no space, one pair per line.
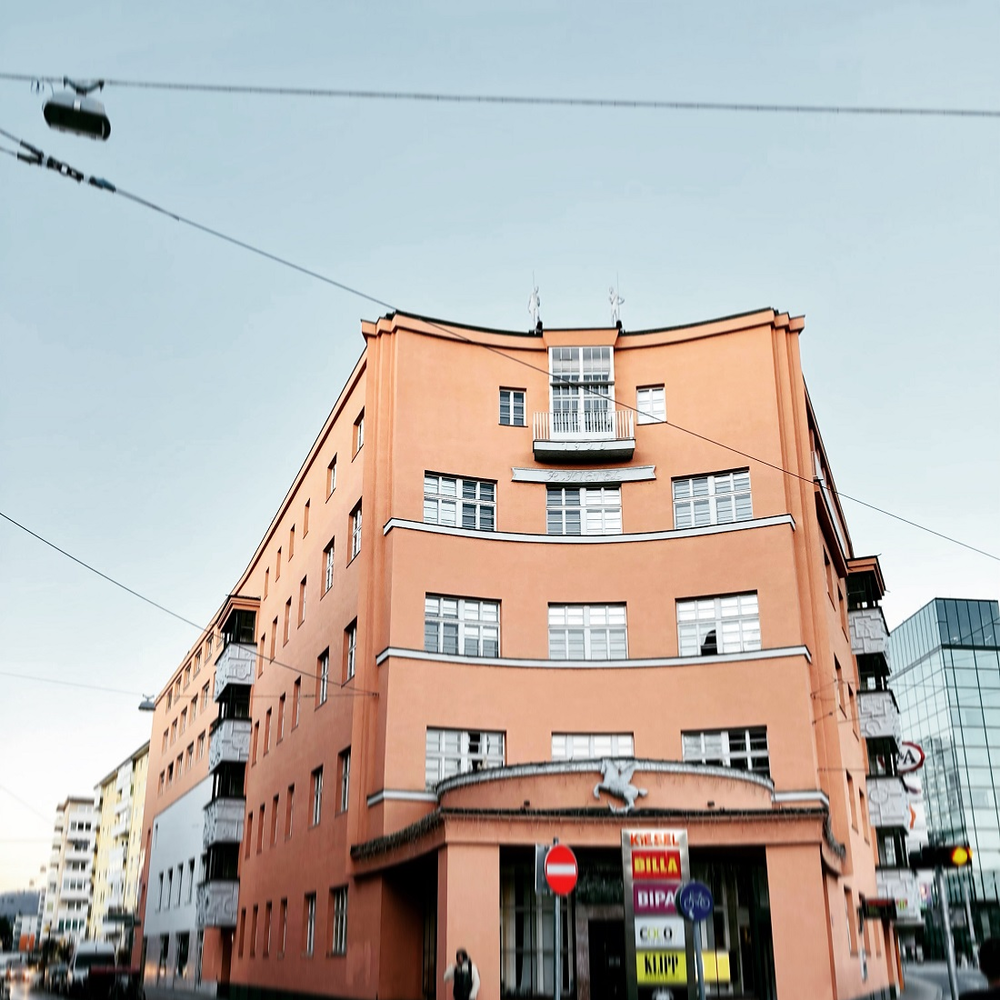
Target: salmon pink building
587,585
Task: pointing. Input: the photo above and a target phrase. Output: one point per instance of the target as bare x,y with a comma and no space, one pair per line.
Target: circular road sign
560,869
694,900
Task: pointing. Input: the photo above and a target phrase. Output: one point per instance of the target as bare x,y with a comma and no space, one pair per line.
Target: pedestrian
989,965
466,976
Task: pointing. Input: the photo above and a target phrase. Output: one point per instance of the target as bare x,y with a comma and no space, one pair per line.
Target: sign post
694,900
561,872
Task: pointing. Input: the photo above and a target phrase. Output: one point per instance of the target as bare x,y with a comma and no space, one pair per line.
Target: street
936,973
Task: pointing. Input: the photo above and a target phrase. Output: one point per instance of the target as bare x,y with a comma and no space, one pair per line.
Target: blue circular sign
694,900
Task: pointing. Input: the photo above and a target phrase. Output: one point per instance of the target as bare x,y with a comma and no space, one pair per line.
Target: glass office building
946,677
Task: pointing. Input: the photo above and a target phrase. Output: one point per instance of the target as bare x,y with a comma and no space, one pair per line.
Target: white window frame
345,779
461,751
587,631
356,530
352,649
310,922
324,675
590,746
317,795
510,397
460,502
359,432
744,749
329,562
338,937
734,618
714,498
463,626
650,404
581,411
331,477
583,510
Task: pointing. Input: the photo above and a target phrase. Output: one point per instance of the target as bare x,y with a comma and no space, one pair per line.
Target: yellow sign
660,967
670,967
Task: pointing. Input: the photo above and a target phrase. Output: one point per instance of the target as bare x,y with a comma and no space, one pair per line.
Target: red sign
656,865
655,897
560,869
910,759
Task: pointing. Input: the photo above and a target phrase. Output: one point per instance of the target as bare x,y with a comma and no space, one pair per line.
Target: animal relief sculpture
616,780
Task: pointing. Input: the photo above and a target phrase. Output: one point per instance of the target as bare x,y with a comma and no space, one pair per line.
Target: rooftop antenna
616,304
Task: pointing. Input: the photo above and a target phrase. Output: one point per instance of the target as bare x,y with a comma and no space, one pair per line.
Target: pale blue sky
161,388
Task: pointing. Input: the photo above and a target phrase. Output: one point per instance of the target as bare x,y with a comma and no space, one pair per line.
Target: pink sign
655,897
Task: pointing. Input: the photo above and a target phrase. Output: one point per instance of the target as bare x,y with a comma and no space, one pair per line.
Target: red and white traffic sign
561,869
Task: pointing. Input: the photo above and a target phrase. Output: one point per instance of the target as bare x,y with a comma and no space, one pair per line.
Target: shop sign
655,864
659,932
911,758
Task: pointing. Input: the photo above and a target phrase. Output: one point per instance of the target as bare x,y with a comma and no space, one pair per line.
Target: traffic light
941,856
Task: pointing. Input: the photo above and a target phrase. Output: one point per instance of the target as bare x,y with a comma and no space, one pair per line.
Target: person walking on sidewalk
465,975
989,965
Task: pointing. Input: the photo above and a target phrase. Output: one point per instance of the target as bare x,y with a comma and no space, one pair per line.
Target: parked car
88,955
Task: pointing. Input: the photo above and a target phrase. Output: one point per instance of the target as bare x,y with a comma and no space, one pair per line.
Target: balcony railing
217,902
878,716
606,435
235,665
888,805
229,741
223,822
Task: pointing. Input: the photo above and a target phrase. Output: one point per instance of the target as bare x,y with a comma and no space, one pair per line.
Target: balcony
235,665
223,822
229,742
888,805
217,902
901,885
878,716
594,436
869,635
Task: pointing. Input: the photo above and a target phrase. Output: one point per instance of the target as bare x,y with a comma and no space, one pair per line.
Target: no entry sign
560,869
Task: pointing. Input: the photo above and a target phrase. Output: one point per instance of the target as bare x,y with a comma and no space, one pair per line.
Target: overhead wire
455,334
523,100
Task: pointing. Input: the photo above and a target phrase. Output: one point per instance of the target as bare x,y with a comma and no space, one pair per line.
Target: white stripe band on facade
633,536
807,796
401,653
592,477
400,795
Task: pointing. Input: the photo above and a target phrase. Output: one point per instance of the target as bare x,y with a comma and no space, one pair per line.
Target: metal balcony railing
588,425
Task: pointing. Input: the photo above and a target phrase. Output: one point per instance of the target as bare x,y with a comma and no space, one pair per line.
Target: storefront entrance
607,958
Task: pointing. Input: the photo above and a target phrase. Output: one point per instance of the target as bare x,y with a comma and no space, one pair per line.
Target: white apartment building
69,884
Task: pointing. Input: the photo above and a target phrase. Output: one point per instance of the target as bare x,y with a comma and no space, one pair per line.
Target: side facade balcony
228,753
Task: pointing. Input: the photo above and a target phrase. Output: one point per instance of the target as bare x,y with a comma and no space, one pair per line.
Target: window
289,804
328,563
587,632
243,927
512,407
296,701
282,926
281,719
572,746
331,477
345,779
356,530
359,432
317,795
190,883
267,579
310,923
719,498
266,949
260,829
166,736
743,749
170,774
711,625
253,742
159,790
201,745
291,542
302,600
204,696
338,921
187,672
852,801
466,503
583,510
274,639
651,405
173,732
305,518
192,715
461,625
189,757
351,649
323,677
288,619
582,383
456,751
277,565
267,730
249,835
